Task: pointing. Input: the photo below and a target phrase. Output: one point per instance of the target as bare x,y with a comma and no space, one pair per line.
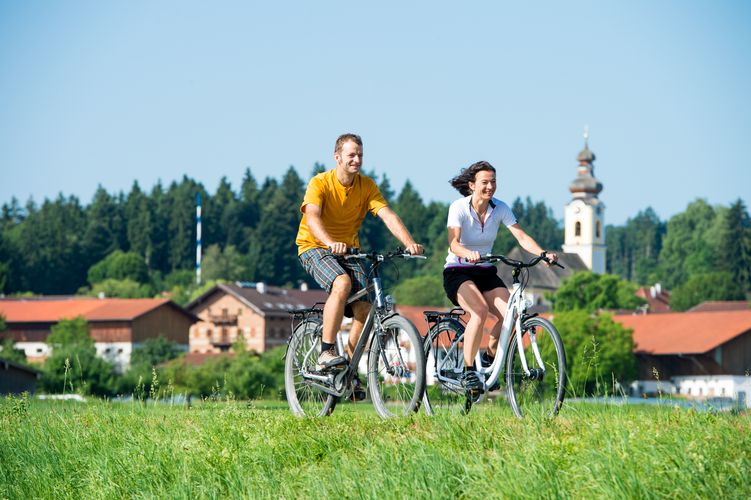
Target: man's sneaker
472,383
330,359
358,393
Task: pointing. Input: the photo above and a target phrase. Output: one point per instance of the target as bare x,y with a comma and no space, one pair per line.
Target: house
116,325
16,378
257,312
691,350
657,299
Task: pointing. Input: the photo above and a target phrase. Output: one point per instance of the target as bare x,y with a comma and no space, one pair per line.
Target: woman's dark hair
467,175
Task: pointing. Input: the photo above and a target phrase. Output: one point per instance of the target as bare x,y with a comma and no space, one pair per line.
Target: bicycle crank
536,374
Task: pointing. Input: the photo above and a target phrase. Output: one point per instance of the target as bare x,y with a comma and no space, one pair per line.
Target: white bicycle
530,354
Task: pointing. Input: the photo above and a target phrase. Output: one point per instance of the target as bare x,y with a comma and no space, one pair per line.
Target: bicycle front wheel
539,391
302,354
444,356
396,368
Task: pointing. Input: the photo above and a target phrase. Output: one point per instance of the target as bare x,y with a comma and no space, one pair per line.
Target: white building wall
715,386
33,350
117,353
588,244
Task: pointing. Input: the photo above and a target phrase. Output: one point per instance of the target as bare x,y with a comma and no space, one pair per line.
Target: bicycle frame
516,312
338,384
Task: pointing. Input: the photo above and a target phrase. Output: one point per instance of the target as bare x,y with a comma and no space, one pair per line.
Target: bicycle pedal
328,370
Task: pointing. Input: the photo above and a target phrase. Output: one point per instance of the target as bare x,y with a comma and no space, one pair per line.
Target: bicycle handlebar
518,263
356,253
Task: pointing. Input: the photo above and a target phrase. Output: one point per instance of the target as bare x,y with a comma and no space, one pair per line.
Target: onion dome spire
585,185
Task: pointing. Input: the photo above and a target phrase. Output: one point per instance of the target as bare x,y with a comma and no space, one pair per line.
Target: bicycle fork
533,373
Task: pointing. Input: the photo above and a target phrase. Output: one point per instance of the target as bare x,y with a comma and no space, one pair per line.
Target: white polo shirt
478,235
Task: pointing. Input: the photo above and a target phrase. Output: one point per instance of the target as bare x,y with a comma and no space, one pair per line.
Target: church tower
584,217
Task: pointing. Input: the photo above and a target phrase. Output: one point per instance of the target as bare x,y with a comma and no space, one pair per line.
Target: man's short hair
344,138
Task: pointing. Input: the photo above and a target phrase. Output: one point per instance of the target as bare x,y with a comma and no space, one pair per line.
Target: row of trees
703,253
139,244
143,243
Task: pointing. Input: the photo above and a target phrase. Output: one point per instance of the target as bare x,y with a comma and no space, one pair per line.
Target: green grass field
53,449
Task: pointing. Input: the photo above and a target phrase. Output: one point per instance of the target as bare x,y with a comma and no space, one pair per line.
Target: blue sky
111,92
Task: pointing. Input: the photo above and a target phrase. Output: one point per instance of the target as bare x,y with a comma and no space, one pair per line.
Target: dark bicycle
396,360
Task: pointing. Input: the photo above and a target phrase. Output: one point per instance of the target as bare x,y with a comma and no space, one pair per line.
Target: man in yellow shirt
334,207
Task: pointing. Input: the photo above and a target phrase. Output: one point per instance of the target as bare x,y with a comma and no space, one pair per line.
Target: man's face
349,158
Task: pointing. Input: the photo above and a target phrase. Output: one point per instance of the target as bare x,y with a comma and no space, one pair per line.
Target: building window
578,229
598,228
120,351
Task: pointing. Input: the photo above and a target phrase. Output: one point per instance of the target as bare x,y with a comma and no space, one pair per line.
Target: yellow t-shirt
342,208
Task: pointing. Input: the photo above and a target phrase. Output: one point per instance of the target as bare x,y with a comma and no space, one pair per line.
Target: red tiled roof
721,305
51,311
273,301
685,333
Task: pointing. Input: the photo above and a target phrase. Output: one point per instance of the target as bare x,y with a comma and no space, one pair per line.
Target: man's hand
415,249
338,248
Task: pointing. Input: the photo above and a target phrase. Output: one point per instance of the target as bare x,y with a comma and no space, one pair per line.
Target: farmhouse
116,325
691,343
255,312
16,378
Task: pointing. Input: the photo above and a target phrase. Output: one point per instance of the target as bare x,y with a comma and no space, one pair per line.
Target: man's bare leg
360,310
333,310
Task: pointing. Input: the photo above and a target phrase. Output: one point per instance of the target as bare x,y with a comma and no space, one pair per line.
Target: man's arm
315,224
399,230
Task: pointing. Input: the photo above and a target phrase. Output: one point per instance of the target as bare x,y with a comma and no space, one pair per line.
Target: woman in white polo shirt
473,223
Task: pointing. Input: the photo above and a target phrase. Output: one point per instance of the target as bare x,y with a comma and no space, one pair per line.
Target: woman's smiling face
484,185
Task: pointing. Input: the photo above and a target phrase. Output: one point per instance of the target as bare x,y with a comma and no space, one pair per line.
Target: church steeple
585,185
585,213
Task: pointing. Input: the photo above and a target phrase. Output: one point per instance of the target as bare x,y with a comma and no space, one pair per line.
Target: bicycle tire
396,368
445,357
302,351
542,393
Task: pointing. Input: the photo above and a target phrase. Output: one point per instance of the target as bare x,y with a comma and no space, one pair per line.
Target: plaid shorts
324,267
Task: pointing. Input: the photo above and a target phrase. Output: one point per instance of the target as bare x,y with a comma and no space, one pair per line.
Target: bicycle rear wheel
445,359
540,392
396,368
302,354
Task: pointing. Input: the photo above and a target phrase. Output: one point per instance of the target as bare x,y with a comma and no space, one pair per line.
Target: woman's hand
472,256
550,258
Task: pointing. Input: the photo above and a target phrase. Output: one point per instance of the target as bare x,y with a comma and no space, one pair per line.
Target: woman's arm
528,243
458,249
